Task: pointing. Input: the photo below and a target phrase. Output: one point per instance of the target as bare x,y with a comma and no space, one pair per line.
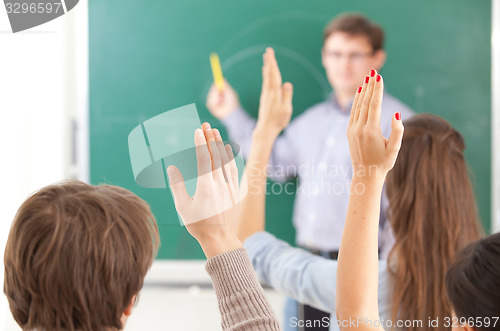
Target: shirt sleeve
242,302
283,160
305,277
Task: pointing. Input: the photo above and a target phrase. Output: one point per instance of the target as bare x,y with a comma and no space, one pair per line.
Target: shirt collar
347,111
333,101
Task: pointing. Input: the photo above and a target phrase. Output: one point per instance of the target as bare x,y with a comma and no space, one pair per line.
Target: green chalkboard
147,57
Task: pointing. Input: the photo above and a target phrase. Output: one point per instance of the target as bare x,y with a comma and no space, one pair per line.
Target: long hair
433,214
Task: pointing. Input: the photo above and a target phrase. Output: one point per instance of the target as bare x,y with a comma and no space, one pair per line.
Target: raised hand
275,109
222,103
372,157
210,215
371,153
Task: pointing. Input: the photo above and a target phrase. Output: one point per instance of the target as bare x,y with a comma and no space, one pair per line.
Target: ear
379,59
128,310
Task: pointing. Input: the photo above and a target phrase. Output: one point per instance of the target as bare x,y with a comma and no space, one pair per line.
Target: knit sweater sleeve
242,303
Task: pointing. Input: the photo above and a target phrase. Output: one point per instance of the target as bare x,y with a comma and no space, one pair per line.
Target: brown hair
76,256
433,215
356,25
472,283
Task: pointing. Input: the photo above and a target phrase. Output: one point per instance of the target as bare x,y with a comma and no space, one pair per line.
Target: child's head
473,283
433,214
77,255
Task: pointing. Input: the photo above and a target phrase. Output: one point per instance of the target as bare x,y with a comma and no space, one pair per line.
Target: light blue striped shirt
307,278
314,149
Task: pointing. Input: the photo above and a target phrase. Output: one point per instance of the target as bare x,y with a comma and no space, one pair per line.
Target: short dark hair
76,256
356,25
473,281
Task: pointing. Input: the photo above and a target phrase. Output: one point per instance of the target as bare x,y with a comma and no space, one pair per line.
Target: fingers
214,97
214,152
212,92
207,128
203,159
230,171
176,181
367,97
232,163
376,102
233,183
287,96
266,79
397,130
354,106
226,170
360,100
275,74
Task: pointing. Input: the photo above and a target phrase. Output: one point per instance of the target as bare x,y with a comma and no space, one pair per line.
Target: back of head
356,25
76,256
473,283
433,214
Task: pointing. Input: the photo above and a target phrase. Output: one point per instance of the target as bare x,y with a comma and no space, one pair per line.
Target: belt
332,255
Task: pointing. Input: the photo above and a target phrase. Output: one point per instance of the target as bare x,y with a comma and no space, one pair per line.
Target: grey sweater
242,302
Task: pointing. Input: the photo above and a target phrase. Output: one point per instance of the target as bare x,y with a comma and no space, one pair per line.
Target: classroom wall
41,93
42,84
148,57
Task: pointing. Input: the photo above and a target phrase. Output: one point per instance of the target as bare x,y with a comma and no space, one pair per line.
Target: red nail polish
367,79
359,89
378,78
372,73
398,116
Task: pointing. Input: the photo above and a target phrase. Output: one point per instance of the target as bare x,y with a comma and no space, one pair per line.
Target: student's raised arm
226,107
275,111
372,157
210,217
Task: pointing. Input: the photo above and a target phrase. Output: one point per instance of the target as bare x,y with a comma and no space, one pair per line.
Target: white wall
38,102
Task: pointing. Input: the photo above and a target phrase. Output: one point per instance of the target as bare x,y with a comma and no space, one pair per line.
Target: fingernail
199,132
170,171
359,89
206,126
378,78
216,133
372,73
367,78
398,116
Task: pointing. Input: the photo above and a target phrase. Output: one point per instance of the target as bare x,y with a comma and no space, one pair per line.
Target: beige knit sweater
242,302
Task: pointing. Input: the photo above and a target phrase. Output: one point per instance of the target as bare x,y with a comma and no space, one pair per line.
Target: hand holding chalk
222,100
222,103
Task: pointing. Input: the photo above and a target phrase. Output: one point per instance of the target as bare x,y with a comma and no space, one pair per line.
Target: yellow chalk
217,71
